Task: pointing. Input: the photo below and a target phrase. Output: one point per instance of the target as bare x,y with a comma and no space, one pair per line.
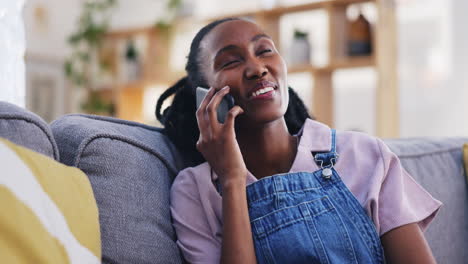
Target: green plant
96,105
300,34
85,41
172,8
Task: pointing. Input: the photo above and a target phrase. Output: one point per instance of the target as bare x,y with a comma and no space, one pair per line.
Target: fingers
201,109
205,131
232,114
212,107
207,113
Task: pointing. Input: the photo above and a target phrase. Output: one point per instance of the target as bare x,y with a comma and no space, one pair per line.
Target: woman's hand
217,142
219,146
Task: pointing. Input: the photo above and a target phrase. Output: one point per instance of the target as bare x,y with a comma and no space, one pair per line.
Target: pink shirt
372,173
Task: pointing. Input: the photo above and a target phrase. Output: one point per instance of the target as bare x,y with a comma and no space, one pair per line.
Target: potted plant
82,64
300,48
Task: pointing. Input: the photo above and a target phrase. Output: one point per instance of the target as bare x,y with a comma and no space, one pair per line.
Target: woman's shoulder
362,145
191,177
346,140
356,137
363,141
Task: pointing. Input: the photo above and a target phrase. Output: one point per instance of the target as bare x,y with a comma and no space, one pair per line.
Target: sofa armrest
131,167
27,129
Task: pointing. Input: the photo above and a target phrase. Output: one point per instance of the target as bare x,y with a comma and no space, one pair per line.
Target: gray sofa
131,167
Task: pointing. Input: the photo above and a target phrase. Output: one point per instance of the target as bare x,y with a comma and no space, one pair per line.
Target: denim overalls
311,218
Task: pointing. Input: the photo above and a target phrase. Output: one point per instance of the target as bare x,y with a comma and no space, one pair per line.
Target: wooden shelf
351,62
129,33
350,2
302,68
134,84
283,10
156,65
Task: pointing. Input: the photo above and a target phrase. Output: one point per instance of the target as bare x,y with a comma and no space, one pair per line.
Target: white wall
47,29
47,36
433,65
12,87
137,13
433,58
48,24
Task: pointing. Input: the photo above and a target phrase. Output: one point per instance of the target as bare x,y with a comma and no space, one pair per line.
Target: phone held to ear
226,103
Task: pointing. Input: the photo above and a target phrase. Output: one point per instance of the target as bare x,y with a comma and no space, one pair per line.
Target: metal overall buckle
327,170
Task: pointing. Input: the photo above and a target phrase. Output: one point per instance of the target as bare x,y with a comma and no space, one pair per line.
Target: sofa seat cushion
131,167
27,129
49,214
437,164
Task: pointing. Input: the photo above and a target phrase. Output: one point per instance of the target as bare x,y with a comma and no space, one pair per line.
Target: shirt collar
315,136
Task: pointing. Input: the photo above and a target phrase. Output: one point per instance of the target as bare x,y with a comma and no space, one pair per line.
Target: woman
334,197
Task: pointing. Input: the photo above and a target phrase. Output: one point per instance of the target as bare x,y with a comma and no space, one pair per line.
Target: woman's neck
268,148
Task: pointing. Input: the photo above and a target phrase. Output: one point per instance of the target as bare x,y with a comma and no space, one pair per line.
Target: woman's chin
260,117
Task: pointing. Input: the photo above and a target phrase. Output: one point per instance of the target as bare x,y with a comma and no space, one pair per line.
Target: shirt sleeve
401,199
194,236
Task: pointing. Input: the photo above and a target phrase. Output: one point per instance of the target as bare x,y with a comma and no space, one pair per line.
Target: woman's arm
406,244
219,146
237,243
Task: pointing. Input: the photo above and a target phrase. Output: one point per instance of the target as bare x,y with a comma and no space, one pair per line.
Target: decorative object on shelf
359,37
300,48
82,66
41,18
132,63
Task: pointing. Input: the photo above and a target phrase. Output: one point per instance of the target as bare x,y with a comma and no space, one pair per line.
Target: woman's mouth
263,93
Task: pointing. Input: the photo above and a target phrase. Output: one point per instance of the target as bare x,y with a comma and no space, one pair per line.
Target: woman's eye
230,63
264,51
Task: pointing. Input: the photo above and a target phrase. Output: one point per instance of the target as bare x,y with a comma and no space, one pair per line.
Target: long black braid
179,120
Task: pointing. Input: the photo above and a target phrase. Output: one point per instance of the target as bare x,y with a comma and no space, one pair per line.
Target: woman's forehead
232,32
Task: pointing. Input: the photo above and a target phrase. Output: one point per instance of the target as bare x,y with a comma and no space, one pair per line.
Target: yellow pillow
48,213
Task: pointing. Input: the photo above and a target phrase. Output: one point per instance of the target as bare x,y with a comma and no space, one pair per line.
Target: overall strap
326,160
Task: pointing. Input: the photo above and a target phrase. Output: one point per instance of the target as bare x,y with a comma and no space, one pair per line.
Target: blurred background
388,68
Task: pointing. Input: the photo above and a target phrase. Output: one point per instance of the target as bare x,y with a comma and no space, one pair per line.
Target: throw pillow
49,214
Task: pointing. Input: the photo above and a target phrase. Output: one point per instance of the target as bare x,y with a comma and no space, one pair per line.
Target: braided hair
179,119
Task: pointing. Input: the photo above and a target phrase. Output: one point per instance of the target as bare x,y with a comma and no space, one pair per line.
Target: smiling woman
179,119
277,186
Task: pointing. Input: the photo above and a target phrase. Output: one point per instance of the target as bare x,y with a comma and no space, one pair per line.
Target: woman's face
240,55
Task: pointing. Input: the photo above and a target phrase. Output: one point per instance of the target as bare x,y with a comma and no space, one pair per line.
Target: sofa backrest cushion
26,129
131,168
48,211
437,164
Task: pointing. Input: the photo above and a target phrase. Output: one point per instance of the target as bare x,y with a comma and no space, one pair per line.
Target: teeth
262,91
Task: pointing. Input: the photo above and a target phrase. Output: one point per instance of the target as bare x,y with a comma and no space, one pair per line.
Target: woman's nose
255,69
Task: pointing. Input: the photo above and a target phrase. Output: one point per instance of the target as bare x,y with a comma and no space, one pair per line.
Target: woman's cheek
223,79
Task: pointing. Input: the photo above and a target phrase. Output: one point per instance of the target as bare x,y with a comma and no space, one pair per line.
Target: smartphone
226,103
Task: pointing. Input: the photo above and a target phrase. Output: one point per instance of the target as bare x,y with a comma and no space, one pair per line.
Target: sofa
131,167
